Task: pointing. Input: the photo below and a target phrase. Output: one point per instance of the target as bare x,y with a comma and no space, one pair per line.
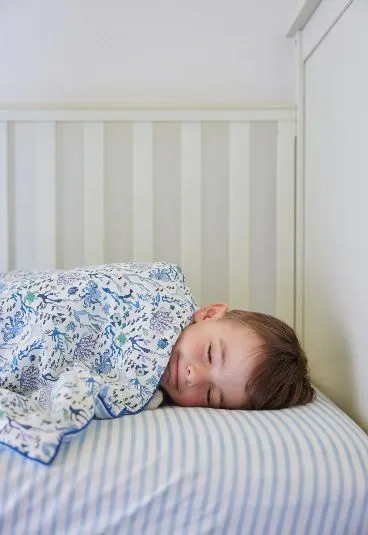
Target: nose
195,375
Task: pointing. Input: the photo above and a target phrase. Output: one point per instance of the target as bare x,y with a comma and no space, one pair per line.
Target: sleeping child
237,360
105,341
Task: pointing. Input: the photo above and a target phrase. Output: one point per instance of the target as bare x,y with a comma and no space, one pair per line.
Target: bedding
89,342
183,471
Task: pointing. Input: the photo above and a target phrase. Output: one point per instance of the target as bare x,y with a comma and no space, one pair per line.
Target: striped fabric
196,471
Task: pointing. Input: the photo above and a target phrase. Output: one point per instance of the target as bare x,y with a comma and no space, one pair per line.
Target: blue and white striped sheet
184,471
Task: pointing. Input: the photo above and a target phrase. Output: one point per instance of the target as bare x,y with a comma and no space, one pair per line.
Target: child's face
212,361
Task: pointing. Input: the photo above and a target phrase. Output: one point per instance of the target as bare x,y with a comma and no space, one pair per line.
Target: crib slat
191,161
45,196
4,216
239,215
285,209
94,193
23,139
142,192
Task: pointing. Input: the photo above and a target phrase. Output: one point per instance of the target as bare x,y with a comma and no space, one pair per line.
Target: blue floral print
73,340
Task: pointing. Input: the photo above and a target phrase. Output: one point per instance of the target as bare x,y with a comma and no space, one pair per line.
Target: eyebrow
223,352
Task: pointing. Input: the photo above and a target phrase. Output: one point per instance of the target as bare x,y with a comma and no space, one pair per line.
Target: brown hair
281,379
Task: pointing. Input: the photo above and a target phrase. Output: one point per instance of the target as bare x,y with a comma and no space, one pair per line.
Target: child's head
237,360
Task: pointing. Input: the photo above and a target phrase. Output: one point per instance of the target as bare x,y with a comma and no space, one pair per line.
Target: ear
215,311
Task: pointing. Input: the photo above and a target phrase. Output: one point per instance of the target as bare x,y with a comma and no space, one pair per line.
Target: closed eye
209,354
209,397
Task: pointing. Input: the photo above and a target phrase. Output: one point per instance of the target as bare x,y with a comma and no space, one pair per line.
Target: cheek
189,398
189,346
191,342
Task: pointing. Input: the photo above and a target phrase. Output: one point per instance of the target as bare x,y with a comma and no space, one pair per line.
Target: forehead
237,336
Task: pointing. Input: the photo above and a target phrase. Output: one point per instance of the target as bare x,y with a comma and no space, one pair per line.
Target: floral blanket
89,342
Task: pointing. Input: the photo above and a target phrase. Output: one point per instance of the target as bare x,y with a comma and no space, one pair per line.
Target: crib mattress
196,471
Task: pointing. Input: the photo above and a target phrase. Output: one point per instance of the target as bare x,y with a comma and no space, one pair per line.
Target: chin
176,399
167,401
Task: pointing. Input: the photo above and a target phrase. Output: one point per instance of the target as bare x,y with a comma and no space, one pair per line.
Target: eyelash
209,355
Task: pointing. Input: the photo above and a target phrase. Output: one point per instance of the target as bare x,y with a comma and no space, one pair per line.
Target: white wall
146,51
336,214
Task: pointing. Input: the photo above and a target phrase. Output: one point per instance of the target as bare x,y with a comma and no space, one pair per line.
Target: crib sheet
196,471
